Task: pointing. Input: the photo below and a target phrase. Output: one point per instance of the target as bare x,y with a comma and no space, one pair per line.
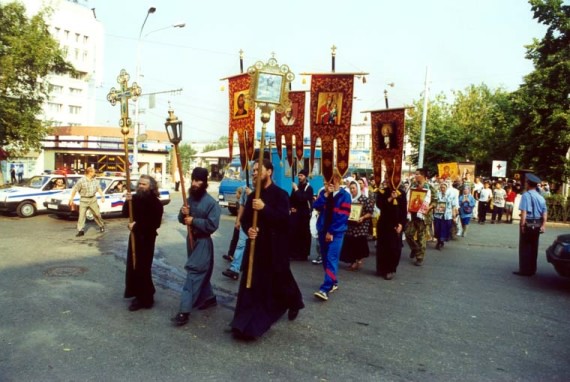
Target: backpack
467,209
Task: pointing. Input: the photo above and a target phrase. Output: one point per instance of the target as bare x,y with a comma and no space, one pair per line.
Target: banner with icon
291,124
388,130
331,116
242,117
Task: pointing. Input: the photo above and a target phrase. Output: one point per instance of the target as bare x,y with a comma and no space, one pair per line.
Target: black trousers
482,211
528,251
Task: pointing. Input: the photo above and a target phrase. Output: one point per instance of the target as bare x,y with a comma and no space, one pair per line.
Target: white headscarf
358,193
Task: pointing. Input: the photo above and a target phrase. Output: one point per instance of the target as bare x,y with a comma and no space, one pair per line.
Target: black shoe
180,319
102,229
80,233
138,305
412,255
523,274
231,274
209,303
292,314
239,335
228,258
438,245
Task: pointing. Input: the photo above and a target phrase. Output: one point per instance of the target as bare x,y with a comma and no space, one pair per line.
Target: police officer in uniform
532,224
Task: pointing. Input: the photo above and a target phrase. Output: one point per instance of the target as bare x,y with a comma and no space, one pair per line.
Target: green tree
186,153
221,143
28,53
542,103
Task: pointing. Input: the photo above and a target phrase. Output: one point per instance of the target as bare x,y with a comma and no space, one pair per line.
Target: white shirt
485,195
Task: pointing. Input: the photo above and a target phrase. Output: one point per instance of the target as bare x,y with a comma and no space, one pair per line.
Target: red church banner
291,124
388,144
331,115
242,117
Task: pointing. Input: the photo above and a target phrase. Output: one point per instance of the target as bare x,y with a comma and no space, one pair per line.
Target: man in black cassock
147,216
301,207
273,289
393,217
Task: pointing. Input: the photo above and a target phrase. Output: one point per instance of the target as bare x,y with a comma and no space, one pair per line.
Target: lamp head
173,128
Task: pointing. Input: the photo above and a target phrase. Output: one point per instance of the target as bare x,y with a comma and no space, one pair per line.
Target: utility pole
424,120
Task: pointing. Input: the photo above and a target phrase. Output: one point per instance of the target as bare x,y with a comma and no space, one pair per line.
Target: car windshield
233,172
37,181
104,183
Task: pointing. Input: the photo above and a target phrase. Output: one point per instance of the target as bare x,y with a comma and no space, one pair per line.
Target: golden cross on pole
123,96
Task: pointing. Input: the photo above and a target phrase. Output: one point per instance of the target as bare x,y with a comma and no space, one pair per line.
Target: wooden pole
130,202
265,119
184,199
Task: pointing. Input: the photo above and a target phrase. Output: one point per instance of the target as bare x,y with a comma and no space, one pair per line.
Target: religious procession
345,218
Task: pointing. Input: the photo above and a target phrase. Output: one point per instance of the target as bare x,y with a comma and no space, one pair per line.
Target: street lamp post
138,78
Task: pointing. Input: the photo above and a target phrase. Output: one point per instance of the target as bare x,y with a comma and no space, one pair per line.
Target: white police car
114,188
27,199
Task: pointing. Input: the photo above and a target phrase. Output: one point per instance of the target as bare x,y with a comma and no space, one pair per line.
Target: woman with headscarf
444,213
466,208
355,244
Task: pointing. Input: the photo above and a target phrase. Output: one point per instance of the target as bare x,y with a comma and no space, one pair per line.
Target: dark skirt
354,248
442,229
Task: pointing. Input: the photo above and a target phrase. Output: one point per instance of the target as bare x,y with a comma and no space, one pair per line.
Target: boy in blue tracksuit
333,205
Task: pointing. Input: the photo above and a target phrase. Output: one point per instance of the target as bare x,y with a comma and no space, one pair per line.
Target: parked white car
27,199
112,186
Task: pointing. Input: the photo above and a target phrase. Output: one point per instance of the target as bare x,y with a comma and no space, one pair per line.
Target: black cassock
273,289
389,244
147,213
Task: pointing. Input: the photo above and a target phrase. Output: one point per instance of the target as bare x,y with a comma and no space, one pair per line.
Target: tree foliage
221,143
476,127
186,153
28,53
542,103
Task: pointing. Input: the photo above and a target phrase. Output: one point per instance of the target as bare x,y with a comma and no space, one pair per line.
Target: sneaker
180,319
318,260
102,229
228,258
334,288
231,274
418,263
322,295
80,233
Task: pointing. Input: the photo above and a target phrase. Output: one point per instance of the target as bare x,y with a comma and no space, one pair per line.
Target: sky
462,43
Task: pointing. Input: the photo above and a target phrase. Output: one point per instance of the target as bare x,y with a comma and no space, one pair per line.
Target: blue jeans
330,252
238,253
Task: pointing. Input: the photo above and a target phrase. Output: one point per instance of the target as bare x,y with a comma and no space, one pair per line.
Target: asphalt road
461,317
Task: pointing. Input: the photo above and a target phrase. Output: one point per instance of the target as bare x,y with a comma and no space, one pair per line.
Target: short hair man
532,224
87,188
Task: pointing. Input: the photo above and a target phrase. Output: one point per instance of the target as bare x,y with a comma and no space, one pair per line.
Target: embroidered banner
242,117
291,124
331,116
388,144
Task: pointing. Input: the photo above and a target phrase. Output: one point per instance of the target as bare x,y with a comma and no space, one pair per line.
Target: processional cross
123,96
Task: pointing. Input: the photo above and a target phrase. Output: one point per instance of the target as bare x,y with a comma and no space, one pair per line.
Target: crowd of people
273,228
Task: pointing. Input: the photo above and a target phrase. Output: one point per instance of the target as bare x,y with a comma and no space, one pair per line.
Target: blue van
283,175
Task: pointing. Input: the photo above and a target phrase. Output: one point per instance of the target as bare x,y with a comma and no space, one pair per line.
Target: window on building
85,40
66,34
77,37
75,91
65,50
74,109
55,107
76,56
85,55
360,141
55,89
57,31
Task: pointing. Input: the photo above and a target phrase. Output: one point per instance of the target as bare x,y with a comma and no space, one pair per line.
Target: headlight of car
221,197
